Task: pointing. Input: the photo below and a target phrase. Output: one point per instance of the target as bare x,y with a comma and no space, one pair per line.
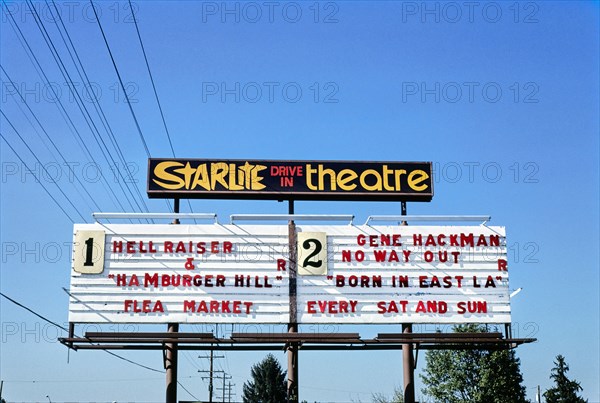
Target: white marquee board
409,283
234,278
347,274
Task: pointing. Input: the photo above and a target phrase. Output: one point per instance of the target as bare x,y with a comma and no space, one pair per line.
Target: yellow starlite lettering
187,172
174,182
233,185
201,177
246,171
256,185
218,171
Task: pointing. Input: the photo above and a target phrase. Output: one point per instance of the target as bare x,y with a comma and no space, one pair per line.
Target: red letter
280,264
502,265
118,247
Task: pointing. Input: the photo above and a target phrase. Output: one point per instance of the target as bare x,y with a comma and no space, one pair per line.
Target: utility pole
229,386
211,357
211,375
225,377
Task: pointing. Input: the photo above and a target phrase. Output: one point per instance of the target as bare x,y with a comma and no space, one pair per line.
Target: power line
121,81
106,351
66,330
114,63
162,115
97,137
90,122
92,94
67,77
72,127
51,141
151,78
39,181
189,393
39,162
89,380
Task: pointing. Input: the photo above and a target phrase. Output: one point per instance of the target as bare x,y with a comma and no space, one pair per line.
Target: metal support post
408,361
171,366
172,348
508,330
292,351
71,333
408,367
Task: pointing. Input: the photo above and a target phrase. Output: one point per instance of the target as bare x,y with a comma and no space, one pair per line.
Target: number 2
307,246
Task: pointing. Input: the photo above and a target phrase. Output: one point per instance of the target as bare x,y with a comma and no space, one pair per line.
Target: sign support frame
172,349
408,360
292,348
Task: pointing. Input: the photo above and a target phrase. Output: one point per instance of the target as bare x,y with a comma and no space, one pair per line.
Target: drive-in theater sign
290,274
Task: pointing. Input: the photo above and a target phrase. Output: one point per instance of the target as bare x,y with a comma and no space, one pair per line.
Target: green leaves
460,376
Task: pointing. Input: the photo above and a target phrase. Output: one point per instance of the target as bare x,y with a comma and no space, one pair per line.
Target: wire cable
91,93
97,137
188,392
66,330
51,141
38,180
114,63
120,81
72,127
162,115
39,162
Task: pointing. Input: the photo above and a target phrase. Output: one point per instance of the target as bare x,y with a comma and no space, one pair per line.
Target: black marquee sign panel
286,180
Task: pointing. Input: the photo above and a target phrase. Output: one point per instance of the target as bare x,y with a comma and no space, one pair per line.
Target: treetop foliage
460,376
564,390
268,384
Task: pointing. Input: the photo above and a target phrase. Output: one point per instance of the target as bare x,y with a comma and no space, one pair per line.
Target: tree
398,397
565,390
268,384
455,376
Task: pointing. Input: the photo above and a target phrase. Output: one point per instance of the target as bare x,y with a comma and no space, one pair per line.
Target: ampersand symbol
189,263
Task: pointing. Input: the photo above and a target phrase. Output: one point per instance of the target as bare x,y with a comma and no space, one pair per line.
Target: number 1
89,251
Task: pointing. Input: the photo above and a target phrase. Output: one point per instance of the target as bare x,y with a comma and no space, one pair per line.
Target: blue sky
501,96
